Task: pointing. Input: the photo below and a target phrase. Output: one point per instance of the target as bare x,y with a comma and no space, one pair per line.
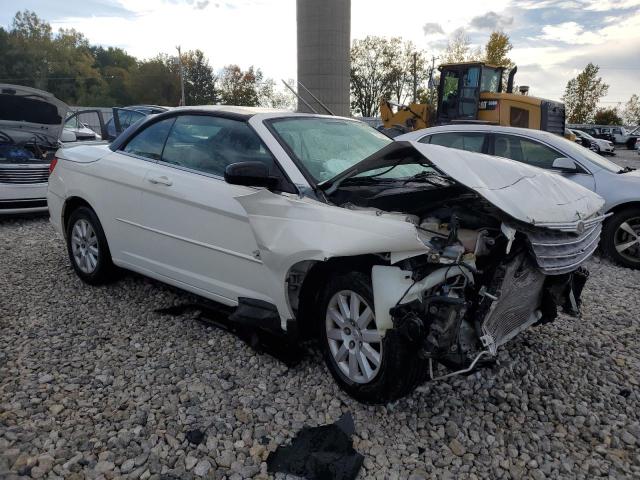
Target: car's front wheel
87,247
369,367
621,237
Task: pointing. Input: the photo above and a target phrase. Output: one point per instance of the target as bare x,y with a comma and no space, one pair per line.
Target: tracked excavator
472,93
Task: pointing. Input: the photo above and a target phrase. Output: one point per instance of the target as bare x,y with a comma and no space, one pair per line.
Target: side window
150,141
469,141
426,139
519,117
208,144
524,150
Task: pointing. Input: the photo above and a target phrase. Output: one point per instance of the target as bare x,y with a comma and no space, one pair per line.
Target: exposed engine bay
24,149
486,276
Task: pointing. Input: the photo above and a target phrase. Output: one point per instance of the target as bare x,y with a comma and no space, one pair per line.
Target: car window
525,150
327,147
209,144
150,141
469,141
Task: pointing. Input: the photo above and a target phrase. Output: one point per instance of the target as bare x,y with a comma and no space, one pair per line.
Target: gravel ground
626,158
94,384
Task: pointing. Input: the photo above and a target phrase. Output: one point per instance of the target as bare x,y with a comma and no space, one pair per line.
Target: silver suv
620,187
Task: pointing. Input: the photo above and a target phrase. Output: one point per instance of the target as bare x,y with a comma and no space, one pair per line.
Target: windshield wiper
426,176
626,170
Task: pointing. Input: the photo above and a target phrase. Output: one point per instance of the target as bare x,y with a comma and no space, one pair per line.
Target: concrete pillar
324,43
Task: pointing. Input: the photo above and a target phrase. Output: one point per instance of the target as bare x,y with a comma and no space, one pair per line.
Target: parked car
124,117
394,254
621,135
620,187
594,131
80,131
31,121
598,145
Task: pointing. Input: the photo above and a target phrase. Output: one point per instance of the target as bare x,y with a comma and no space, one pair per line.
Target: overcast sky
553,39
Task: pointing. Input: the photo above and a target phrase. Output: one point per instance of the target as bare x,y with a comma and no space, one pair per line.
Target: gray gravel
94,384
626,158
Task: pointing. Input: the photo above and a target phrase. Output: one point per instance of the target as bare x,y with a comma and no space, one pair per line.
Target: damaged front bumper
458,330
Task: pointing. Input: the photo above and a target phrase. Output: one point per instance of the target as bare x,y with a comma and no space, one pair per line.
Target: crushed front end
486,280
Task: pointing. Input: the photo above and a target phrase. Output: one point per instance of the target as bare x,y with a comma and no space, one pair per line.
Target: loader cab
460,87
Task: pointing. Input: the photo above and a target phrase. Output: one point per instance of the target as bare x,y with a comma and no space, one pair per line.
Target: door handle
161,181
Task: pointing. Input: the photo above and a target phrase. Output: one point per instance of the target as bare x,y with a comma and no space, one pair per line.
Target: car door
538,154
469,141
196,233
124,172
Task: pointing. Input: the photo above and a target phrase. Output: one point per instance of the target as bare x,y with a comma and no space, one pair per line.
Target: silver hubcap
627,239
84,245
353,337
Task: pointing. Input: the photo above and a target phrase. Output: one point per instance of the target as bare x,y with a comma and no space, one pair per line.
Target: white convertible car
395,255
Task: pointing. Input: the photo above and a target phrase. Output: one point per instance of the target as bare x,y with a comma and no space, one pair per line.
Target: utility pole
415,77
431,83
183,103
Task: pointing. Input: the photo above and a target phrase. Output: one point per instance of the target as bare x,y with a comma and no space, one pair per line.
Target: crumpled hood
528,194
26,111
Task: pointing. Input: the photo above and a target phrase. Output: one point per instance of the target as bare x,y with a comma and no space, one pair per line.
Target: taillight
53,164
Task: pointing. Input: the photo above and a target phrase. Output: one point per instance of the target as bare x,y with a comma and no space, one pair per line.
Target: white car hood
26,111
528,194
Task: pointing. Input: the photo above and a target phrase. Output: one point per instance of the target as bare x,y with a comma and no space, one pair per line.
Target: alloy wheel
84,245
352,334
627,239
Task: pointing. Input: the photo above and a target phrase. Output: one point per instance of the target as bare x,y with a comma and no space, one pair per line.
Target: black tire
400,370
609,240
104,271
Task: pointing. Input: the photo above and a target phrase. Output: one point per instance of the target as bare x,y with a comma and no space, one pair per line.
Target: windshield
573,149
327,147
580,133
490,80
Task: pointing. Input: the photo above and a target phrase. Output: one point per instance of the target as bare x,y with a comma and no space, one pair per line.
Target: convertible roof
228,111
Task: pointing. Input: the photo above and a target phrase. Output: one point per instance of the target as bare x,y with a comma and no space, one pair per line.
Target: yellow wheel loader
472,93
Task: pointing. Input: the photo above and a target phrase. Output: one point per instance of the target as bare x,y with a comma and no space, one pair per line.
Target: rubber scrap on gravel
320,453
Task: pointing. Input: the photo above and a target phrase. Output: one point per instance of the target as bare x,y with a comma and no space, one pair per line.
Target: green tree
238,87
273,97
115,66
496,51
29,51
607,116
73,76
372,73
583,93
408,65
459,49
199,80
156,81
631,111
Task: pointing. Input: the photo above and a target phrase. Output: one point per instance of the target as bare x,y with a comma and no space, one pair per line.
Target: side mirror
251,174
565,164
67,136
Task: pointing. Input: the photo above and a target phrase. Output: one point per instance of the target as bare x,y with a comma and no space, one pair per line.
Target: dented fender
291,229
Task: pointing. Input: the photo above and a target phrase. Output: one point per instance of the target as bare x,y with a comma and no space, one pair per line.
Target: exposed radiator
515,301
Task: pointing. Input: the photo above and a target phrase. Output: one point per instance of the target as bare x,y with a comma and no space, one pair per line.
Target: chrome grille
24,174
516,307
557,252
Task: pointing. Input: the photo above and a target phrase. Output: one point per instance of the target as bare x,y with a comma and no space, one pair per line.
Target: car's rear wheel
87,247
621,237
369,367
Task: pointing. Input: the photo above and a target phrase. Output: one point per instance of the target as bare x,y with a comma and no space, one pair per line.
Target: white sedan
30,124
395,255
598,145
